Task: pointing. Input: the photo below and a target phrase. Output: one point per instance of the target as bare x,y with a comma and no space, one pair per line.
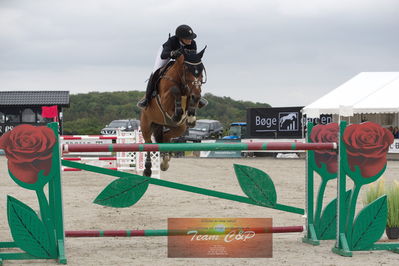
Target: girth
168,121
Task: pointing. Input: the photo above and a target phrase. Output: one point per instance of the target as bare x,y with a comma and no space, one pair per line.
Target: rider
183,39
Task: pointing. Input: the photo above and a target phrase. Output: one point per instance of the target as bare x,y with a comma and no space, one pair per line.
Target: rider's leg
159,62
148,92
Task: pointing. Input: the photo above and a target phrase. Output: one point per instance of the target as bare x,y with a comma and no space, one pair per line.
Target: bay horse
174,108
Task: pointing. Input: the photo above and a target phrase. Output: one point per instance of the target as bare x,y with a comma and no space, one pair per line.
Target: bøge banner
281,122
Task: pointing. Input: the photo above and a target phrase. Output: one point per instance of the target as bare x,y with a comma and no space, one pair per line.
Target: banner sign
277,123
394,148
7,127
221,154
220,238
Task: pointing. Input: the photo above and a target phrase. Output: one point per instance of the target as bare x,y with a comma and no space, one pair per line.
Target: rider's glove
175,54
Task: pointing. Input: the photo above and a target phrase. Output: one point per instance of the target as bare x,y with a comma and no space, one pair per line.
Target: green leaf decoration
28,231
327,227
256,184
369,225
123,192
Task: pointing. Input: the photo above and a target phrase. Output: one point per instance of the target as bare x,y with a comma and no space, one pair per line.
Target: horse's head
193,78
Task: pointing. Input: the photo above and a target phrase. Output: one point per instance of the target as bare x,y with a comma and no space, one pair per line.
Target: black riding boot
148,93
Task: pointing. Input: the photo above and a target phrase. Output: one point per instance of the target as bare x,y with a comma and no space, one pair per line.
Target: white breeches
159,62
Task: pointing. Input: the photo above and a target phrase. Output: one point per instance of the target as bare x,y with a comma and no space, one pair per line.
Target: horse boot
143,103
202,103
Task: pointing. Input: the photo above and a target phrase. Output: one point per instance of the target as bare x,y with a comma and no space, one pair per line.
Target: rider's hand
175,54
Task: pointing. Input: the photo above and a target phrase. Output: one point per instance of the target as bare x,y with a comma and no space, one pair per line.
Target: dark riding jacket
172,44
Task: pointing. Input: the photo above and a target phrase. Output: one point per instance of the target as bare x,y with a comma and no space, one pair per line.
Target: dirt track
152,211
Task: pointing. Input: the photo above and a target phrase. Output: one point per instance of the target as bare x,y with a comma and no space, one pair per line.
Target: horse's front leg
191,112
178,107
167,137
165,158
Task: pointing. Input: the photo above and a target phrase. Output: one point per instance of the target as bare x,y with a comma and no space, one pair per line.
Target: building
25,107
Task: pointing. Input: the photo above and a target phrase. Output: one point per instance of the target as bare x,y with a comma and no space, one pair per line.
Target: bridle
195,82
184,82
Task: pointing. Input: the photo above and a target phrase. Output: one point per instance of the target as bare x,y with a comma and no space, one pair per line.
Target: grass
393,205
374,191
378,189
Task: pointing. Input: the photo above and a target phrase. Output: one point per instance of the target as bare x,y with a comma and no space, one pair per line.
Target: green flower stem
352,208
319,203
46,215
183,187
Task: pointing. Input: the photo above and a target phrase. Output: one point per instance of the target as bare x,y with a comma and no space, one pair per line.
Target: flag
50,111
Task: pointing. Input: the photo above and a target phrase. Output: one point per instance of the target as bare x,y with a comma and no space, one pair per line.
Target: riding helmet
185,32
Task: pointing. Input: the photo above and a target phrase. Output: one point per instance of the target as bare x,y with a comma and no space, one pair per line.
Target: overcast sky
286,53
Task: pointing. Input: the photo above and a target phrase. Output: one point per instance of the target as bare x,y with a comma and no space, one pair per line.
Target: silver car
123,125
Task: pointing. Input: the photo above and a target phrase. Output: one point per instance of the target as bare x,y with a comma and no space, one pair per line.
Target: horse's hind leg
148,165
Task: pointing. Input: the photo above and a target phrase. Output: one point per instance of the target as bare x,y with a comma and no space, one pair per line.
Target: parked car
124,125
205,129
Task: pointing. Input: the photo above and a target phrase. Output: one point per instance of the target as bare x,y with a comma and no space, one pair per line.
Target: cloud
281,52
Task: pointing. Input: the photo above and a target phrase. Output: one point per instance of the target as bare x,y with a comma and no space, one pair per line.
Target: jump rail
166,232
90,137
171,147
122,161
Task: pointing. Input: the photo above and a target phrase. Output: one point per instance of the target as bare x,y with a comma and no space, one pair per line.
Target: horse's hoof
164,166
191,121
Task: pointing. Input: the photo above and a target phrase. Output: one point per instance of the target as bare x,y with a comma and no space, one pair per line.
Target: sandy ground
152,211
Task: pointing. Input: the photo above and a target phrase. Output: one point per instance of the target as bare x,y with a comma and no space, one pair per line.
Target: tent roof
32,98
367,92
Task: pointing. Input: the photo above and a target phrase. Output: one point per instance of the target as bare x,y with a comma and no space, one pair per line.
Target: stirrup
202,102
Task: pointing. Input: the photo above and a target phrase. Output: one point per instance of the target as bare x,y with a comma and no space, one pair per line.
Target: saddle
159,74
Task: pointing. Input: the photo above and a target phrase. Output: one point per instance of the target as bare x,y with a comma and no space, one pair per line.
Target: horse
174,107
289,117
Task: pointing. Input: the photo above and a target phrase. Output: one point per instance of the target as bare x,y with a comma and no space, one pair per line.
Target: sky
285,53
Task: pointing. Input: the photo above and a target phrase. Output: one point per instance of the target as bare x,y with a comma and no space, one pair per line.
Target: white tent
367,92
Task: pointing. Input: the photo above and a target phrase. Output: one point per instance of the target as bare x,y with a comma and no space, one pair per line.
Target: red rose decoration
326,134
28,150
367,145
